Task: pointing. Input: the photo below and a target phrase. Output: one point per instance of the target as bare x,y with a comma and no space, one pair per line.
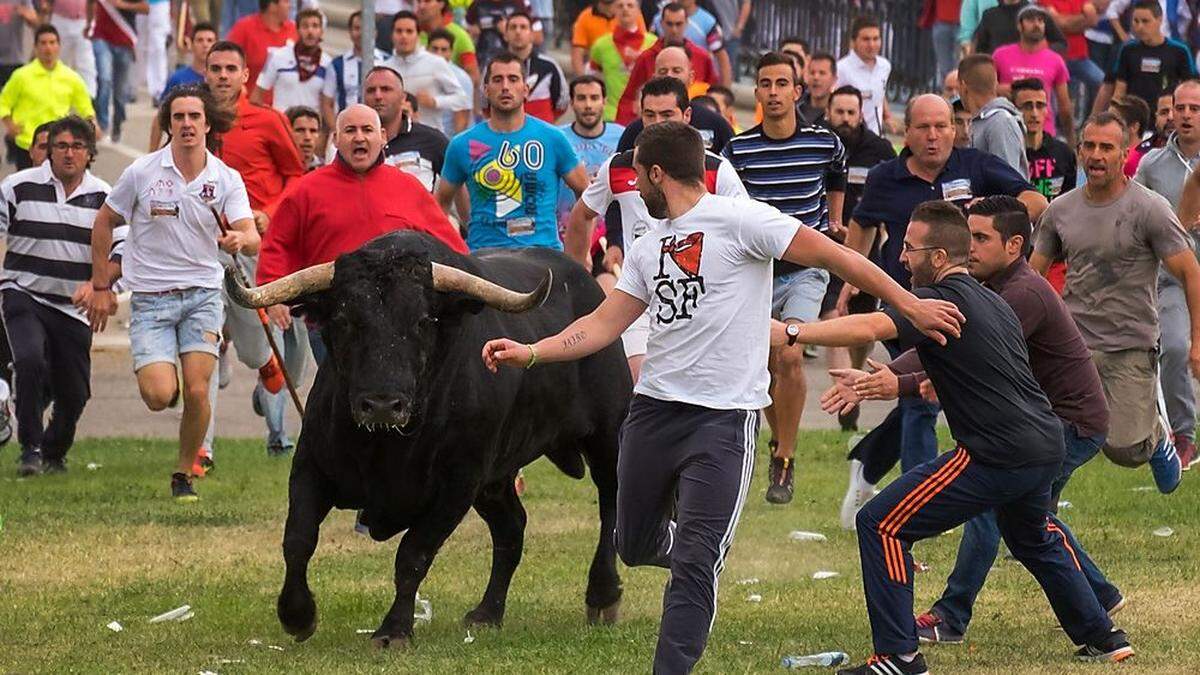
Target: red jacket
703,70
333,210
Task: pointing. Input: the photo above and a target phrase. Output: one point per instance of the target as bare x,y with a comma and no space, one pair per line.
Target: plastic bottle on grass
823,659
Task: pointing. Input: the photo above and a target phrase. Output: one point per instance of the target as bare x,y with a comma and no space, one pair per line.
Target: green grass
81,550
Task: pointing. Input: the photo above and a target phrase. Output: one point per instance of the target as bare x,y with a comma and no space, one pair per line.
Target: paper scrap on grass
801,535
255,642
92,466
1143,488
177,614
1065,504
824,574
747,581
115,626
275,647
469,639
754,597
1164,531
364,631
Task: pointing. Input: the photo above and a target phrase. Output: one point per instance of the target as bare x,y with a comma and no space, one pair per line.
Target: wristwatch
793,333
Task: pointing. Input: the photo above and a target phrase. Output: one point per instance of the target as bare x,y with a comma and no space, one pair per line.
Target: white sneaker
857,493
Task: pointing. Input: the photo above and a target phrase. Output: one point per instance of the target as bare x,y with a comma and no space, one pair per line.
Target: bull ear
453,305
316,307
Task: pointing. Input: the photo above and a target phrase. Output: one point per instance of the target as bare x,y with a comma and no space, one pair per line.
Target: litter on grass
275,647
92,466
754,597
423,610
748,581
1064,504
1142,488
255,642
1164,531
115,626
178,614
824,574
801,535
364,631
469,639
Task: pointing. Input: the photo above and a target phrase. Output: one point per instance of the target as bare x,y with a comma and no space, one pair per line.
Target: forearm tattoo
574,339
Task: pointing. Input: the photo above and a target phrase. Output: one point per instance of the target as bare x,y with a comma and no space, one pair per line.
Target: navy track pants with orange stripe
944,493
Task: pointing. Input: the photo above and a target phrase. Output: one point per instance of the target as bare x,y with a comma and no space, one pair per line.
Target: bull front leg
414,557
309,500
501,509
603,596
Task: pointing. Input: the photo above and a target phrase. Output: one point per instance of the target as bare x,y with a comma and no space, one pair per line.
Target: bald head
360,137
673,62
927,105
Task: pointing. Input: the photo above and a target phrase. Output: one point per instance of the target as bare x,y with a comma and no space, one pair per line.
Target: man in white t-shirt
296,74
864,69
704,274
170,264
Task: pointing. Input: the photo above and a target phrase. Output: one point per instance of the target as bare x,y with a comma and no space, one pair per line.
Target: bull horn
452,279
284,289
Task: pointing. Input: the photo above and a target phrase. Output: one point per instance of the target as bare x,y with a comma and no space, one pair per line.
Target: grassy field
81,550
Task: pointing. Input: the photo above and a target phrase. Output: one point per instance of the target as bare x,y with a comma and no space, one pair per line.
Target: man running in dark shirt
1010,450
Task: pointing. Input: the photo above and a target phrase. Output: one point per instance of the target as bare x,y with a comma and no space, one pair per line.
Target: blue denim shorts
798,295
164,325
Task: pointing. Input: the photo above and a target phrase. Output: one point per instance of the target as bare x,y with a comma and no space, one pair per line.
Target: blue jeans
1086,78
317,345
113,65
945,48
981,542
918,417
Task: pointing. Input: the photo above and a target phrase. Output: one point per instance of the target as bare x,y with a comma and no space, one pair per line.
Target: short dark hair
78,127
1133,110
297,111
664,85
1105,118
502,57
264,4
706,101
861,23
674,146
519,13
441,34
1026,84
777,59
977,72
384,69
847,90
587,79
413,101
947,227
794,40
205,27
43,29
1009,217
1151,5
724,92
219,120
43,127
405,14
226,46
308,13
672,7
825,56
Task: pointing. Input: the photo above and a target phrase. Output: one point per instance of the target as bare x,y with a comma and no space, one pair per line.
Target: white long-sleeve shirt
426,72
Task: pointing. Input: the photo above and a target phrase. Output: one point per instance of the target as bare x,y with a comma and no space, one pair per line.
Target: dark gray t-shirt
12,33
1113,251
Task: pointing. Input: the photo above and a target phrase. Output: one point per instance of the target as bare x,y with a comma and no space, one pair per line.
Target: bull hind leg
309,501
500,508
603,596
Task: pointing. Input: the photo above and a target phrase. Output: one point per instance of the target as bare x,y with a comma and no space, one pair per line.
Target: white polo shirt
871,81
281,76
172,239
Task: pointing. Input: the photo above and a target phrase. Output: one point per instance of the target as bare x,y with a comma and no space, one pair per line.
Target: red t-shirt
1076,43
260,147
252,35
703,70
947,11
333,210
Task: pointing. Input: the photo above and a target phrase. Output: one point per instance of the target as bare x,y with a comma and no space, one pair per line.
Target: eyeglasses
76,146
909,249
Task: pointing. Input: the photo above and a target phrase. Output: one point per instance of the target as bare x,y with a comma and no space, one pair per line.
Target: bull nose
380,406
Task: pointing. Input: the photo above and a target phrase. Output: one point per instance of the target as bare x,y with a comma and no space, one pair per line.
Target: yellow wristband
533,357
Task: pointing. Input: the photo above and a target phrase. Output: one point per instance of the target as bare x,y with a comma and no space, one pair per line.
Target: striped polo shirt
49,235
792,174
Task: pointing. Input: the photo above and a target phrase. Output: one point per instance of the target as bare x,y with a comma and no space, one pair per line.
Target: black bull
405,423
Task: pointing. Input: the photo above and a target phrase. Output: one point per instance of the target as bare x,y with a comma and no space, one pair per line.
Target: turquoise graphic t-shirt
512,179
592,152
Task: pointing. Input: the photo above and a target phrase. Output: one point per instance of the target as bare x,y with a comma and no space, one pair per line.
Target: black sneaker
206,462
30,462
849,421
1114,649
181,488
780,475
58,465
886,664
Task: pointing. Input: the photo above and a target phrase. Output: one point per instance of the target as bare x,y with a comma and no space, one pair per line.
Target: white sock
907,658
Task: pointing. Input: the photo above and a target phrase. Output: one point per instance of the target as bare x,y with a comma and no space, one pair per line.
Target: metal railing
825,24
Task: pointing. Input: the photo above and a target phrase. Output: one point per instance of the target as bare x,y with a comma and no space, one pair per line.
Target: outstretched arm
848,331
587,335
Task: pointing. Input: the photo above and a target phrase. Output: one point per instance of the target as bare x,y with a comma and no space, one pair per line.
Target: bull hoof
480,618
298,615
604,615
390,641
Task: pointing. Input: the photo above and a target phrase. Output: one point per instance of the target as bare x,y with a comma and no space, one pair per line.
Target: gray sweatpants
682,477
1176,341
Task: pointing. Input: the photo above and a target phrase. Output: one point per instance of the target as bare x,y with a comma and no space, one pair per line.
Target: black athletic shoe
30,462
849,421
54,465
181,488
1114,649
780,474
885,664
931,628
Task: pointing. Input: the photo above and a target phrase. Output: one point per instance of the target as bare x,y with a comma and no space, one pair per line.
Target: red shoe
271,376
202,464
1186,448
